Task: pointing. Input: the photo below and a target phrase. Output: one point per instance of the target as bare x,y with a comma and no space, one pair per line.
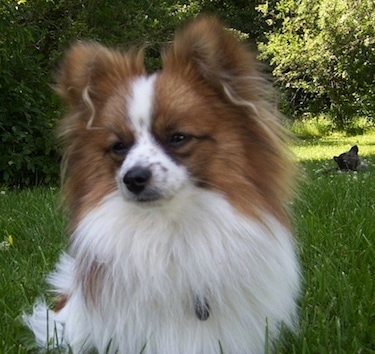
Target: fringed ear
205,48
91,69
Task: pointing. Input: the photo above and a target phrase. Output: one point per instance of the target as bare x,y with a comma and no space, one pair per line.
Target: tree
323,55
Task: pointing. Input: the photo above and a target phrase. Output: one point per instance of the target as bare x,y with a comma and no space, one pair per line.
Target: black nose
137,179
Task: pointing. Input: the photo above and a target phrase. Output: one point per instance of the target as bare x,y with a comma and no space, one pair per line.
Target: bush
27,114
322,53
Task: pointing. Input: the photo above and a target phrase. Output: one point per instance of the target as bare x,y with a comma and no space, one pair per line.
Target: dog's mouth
148,196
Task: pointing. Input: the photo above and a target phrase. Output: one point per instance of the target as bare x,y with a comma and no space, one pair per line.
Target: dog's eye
119,148
178,139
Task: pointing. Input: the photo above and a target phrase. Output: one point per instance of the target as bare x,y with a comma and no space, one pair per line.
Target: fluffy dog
177,185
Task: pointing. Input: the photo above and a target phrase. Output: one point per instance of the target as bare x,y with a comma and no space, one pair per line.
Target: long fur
210,265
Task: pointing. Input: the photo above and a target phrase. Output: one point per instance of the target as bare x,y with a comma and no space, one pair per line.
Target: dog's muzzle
138,181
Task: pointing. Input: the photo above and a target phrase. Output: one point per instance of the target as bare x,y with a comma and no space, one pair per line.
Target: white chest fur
134,276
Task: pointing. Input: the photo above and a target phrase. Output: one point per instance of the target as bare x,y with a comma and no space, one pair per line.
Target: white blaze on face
166,176
140,104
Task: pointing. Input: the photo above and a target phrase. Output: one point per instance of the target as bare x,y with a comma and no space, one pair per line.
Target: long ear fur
93,70
205,48
206,52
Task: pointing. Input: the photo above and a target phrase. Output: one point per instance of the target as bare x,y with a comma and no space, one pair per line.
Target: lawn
335,225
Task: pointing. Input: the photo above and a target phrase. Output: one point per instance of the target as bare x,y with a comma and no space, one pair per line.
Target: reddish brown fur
60,303
88,169
238,150
245,157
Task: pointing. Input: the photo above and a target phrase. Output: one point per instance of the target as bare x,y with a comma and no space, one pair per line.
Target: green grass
335,225
31,237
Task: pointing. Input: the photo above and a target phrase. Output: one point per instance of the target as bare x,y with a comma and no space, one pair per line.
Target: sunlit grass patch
324,148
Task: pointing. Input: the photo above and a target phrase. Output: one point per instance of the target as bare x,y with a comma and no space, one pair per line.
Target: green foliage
323,54
321,126
26,150
308,127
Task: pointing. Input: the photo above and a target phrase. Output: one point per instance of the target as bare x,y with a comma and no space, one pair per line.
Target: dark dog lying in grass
350,161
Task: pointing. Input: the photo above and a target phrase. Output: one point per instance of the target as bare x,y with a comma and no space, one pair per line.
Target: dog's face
148,171
201,122
349,160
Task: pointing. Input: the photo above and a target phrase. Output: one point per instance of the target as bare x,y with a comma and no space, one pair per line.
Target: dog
350,161
177,185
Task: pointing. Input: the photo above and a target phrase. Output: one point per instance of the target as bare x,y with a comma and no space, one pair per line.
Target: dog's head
204,122
349,161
